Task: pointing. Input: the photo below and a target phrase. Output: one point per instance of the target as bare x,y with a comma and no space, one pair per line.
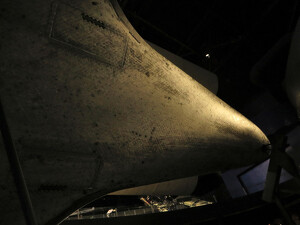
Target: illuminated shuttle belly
292,79
93,109
183,186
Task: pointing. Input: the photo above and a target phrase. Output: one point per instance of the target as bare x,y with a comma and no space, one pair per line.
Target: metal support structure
249,169
285,214
16,170
279,160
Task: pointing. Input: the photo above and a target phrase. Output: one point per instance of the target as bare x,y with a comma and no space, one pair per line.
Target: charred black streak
166,87
134,37
52,187
93,20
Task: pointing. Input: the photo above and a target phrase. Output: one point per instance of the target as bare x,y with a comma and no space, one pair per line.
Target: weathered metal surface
292,79
10,207
184,186
93,109
203,76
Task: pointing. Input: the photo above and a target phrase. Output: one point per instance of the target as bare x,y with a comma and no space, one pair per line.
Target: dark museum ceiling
236,35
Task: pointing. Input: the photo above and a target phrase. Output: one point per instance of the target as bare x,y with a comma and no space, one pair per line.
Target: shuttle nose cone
235,131
207,134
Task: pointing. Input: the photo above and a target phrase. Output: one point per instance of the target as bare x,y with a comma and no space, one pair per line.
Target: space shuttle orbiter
92,109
